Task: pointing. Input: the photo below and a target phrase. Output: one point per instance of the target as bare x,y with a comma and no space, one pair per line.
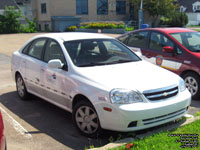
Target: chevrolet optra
100,81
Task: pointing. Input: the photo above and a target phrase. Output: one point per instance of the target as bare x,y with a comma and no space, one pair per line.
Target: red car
2,137
176,49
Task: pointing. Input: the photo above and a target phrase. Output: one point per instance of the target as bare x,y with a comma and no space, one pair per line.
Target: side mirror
55,63
168,49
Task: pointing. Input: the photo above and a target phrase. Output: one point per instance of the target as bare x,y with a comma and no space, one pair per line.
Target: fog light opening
132,124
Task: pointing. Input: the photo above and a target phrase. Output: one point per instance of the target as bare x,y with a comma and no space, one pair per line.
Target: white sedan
100,81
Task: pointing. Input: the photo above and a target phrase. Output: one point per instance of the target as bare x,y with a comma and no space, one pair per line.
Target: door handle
37,79
148,56
42,70
54,76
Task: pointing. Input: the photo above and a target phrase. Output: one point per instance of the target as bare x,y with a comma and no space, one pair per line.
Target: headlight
182,85
123,96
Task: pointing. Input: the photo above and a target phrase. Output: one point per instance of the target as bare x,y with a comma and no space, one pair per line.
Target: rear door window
139,39
36,48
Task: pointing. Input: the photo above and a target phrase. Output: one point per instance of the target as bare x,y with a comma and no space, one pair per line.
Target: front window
102,7
81,7
190,40
96,52
158,41
120,7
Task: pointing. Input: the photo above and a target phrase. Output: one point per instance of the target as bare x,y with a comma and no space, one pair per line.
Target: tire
21,88
86,119
192,82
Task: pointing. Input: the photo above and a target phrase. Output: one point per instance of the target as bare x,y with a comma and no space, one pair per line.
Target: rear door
32,63
136,41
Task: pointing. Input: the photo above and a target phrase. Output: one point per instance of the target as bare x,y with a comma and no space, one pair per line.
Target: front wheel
86,119
192,82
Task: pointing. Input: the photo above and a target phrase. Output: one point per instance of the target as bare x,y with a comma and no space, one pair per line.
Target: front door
55,80
155,54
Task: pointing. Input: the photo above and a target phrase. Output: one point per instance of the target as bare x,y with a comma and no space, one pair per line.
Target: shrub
177,19
31,27
9,21
71,28
129,29
102,25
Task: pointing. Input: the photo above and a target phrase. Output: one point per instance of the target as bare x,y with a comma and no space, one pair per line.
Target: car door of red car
156,55
136,41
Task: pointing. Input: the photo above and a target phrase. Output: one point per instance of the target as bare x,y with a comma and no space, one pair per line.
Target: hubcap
20,86
87,120
191,85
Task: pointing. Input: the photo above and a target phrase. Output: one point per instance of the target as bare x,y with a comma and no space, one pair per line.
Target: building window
102,7
43,8
81,6
120,7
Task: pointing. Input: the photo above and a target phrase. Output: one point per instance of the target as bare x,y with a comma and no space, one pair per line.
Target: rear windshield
190,40
94,52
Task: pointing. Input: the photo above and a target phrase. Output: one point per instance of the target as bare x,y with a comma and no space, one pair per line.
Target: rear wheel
86,119
192,82
21,87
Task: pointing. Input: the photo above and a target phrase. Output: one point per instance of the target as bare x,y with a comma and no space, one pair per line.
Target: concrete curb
170,127
115,144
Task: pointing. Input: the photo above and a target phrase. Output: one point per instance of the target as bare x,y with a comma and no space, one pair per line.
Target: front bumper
137,116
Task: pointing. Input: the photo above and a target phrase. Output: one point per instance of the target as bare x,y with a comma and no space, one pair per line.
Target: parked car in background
176,49
100,81
2,136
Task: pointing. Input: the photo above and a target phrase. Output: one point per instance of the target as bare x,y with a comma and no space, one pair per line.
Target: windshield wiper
92,64
121,61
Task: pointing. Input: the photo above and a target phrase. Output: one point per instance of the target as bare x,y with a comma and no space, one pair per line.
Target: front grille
162,93
164,117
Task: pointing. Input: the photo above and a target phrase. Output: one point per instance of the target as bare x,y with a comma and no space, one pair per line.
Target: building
4,3
58,15
192,9
24,5
26,8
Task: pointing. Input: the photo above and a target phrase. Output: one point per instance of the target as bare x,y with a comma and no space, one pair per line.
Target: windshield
94,52
190,40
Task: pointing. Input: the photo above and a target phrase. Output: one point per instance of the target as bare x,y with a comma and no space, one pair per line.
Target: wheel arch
80,97
187,71
16,74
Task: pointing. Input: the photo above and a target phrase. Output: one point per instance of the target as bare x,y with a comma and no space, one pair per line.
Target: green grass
196,30
197,114
163,141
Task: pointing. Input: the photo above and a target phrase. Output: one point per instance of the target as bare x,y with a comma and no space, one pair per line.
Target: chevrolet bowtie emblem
165,94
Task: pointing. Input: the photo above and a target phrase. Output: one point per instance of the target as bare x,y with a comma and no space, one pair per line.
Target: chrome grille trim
164,117
161,93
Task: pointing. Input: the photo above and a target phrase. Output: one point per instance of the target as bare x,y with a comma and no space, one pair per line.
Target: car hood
139,76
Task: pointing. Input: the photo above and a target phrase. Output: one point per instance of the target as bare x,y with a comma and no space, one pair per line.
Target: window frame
79,2
121,8
43,8
30,45
147,41
48,41
100,11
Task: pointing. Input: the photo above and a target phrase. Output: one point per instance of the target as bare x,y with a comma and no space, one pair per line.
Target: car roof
171,30
69,36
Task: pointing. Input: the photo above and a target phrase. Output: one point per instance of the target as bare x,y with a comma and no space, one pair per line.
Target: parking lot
36,124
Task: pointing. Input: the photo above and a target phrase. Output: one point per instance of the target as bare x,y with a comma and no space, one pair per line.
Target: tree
157,8
11,20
